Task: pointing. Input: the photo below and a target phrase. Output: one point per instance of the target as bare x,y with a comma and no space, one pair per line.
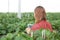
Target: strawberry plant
12,28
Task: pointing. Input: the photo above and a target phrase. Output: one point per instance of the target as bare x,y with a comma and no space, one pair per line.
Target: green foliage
12,28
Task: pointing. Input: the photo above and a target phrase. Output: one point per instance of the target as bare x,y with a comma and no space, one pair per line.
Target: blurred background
29,5
15,15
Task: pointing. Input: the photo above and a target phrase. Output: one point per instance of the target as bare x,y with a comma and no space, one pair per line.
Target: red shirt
42,24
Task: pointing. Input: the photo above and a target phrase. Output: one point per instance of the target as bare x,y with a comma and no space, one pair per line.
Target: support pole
8,5
19,9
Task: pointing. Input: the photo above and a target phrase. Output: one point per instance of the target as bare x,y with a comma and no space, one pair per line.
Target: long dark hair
44,13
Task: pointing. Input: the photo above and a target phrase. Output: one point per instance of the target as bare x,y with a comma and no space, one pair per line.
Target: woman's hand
28,30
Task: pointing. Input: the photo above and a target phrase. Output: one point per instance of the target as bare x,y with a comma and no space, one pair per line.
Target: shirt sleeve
35,27
50,27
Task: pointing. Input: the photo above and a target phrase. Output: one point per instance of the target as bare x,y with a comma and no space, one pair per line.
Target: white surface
29,5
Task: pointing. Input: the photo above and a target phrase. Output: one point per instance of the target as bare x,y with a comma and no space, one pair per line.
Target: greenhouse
29,20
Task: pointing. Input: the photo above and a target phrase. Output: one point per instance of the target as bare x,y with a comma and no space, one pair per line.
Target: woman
40,20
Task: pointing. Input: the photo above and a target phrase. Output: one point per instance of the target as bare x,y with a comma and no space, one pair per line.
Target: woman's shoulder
45,22
48,22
